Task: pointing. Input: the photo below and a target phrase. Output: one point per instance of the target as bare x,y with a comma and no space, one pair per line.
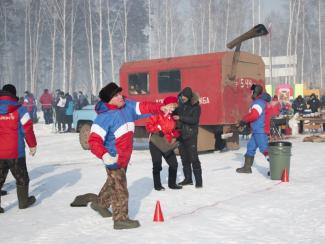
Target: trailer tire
84,135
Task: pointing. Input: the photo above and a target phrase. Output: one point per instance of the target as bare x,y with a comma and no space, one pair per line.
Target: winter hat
10,88
170,99
187,92
109,91
257,90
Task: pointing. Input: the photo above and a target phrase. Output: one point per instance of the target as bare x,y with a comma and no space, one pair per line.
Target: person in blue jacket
256,118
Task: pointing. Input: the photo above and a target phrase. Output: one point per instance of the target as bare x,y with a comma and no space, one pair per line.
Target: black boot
2,193
24,201
247,168
1,209
157,183
172,174
198,177
188,177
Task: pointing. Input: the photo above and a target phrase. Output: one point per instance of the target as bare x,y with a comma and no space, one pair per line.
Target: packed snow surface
230,208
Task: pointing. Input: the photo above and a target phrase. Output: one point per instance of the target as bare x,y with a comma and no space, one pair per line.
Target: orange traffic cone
158,217
285,175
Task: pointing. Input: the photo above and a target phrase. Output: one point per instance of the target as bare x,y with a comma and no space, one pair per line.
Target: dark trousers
17,168
48,115
60,118
190,159
171,160
68,120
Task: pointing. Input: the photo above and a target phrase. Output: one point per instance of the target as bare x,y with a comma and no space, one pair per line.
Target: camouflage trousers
18,169
115,193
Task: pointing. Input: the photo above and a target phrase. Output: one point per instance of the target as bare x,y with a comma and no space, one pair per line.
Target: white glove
32,151
110,162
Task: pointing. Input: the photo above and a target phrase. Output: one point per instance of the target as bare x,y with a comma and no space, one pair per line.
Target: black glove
161,133
242,123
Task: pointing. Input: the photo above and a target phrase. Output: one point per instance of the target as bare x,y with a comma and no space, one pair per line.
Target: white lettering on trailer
204,100
244,83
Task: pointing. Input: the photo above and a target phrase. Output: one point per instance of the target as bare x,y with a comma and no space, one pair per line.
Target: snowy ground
230,208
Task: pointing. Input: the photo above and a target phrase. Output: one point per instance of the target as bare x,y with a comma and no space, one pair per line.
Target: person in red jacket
46,101
164,125
15,126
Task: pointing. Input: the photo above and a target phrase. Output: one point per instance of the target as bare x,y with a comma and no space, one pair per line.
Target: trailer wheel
84,135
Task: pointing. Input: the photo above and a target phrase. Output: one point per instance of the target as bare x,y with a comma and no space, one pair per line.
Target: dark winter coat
314,104
299,105
189,115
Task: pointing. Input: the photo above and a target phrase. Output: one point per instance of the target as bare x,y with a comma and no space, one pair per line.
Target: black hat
257,90
10,88
109,91
187,92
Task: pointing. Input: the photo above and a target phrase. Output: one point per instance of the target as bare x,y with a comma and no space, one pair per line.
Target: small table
315,123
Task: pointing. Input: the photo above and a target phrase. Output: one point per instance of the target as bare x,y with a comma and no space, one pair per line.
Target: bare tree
100,49
320,45
27,10
166,27
297,31
125,34
111,27
303,42
227,22
72,23
89,34
289,41
259,21
253,23
149,28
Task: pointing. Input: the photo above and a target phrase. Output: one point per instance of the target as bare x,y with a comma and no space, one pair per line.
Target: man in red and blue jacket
111,140
15,127
259,126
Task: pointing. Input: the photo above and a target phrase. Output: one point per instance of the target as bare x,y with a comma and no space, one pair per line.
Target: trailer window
138,83
169,81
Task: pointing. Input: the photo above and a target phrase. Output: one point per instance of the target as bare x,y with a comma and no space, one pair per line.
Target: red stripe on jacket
251,116
96,145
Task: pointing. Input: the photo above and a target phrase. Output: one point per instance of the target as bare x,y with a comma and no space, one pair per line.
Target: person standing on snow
164,125
111,140
46,101
188,116
257,119
60,112
30,104
15,126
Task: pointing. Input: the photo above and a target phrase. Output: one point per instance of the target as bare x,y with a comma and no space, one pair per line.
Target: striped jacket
15,126
256,115
113,129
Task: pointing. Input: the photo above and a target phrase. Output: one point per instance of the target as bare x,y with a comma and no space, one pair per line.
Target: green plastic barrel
280,153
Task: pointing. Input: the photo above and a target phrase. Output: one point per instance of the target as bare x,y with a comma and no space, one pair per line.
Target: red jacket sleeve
96,145
150,107
27,125
251,116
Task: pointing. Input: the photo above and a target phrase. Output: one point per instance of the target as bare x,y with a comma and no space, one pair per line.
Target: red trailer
224,98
